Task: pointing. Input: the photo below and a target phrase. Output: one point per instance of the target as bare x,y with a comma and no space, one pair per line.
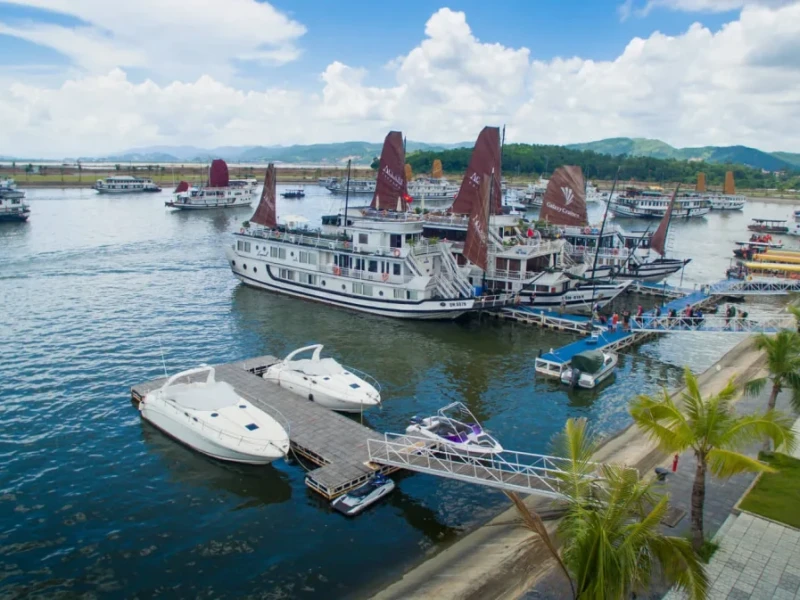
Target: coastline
500,559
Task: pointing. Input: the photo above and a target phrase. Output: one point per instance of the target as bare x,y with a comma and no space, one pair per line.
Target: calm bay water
93,501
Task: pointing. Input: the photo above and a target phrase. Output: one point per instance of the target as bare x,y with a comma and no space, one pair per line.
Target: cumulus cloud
737,85
167,36
629,7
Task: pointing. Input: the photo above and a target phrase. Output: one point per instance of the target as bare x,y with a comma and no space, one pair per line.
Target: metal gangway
756,323
757,286
509,470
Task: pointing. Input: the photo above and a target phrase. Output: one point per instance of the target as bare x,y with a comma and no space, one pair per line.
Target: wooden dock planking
337,444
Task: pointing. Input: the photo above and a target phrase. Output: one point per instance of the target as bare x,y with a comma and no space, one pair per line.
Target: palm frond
744,431
662,422
681,565
755,386
726,463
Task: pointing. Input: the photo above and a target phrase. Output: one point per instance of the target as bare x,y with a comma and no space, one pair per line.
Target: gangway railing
756,286
509,470
770,323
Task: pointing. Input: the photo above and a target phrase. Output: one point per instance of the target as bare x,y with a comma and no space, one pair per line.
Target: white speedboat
210,417
353,502
325,381
589,368
457,428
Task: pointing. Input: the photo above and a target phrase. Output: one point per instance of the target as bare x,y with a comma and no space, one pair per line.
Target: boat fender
587,230
396,252
337,271
385,277
241,230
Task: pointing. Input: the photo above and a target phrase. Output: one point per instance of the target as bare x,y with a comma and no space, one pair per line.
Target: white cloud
737,85
168,37
628,8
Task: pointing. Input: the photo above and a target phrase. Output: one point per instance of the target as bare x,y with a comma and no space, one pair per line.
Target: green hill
741,155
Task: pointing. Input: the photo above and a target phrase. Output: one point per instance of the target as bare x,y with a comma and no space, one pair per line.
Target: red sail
182,187
218,174
659,240
391,183
476,248
564,201
484,160
266,213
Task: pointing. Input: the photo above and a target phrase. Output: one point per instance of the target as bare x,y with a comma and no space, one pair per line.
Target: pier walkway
509,470
337,444
761,286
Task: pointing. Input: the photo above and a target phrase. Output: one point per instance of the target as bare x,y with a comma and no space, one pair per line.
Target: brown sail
391,183
485,159
564,201
266,213
701,183
659,240
729,187
476,248
218,173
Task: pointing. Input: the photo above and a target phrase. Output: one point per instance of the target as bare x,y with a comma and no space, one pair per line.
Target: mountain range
361,153
743,155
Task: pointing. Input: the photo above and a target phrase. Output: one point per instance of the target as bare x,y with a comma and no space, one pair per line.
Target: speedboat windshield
203,396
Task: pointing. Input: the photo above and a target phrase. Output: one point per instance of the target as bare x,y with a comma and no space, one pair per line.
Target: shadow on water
256,485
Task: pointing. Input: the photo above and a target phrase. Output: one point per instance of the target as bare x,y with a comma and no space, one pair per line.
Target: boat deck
334,442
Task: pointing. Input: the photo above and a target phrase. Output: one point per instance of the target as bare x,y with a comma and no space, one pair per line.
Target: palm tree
783,363
710,427
612,544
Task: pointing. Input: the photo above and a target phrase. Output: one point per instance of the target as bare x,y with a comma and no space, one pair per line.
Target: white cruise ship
379,263
726,201
355,187
653,204
125,184
435,191
12,202
221,192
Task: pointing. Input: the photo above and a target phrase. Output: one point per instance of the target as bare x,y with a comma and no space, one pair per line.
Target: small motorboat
588,369
354,501
295,193
212,418
457,428
325,381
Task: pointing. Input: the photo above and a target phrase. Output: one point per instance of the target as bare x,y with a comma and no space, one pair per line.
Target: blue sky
94,76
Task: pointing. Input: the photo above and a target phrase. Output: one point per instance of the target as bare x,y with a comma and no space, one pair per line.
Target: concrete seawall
501,559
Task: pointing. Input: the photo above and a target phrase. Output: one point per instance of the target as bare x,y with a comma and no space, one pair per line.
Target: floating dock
554,362
333,442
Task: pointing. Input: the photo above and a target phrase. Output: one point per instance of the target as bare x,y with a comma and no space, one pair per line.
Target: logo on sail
568,195
475,179
393,177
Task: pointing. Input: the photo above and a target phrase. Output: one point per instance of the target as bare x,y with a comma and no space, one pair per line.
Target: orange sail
659,240
484,161
729,187
476,247
564,201
266,213
436,172
701,182
391,186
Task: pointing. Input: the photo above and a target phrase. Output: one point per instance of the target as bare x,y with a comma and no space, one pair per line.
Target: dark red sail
266,212
391,186
218,174
183,186
564,201
485,159
476,248
659,240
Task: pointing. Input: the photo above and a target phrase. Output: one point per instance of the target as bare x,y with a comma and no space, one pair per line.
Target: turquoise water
93,501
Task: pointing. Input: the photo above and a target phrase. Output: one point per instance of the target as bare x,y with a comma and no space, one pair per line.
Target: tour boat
769,226
513,260
747,250
12,202
125,184
294,193
221,191
325,381
587,369
432,190
377,262
353,187
455,427
652,204
355,501
211,417
726,201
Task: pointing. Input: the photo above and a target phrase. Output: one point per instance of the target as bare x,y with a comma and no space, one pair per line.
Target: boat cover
203,396
590,361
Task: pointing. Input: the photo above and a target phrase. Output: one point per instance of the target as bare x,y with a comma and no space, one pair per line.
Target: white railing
299,238
364,275
715,323
509,470
425,247
511,275
454,220
755,286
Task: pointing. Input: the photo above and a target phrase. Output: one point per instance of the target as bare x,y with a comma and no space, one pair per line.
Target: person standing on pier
563,304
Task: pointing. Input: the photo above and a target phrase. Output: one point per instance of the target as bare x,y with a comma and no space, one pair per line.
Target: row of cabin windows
242,246
346,261
362,289
395,239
